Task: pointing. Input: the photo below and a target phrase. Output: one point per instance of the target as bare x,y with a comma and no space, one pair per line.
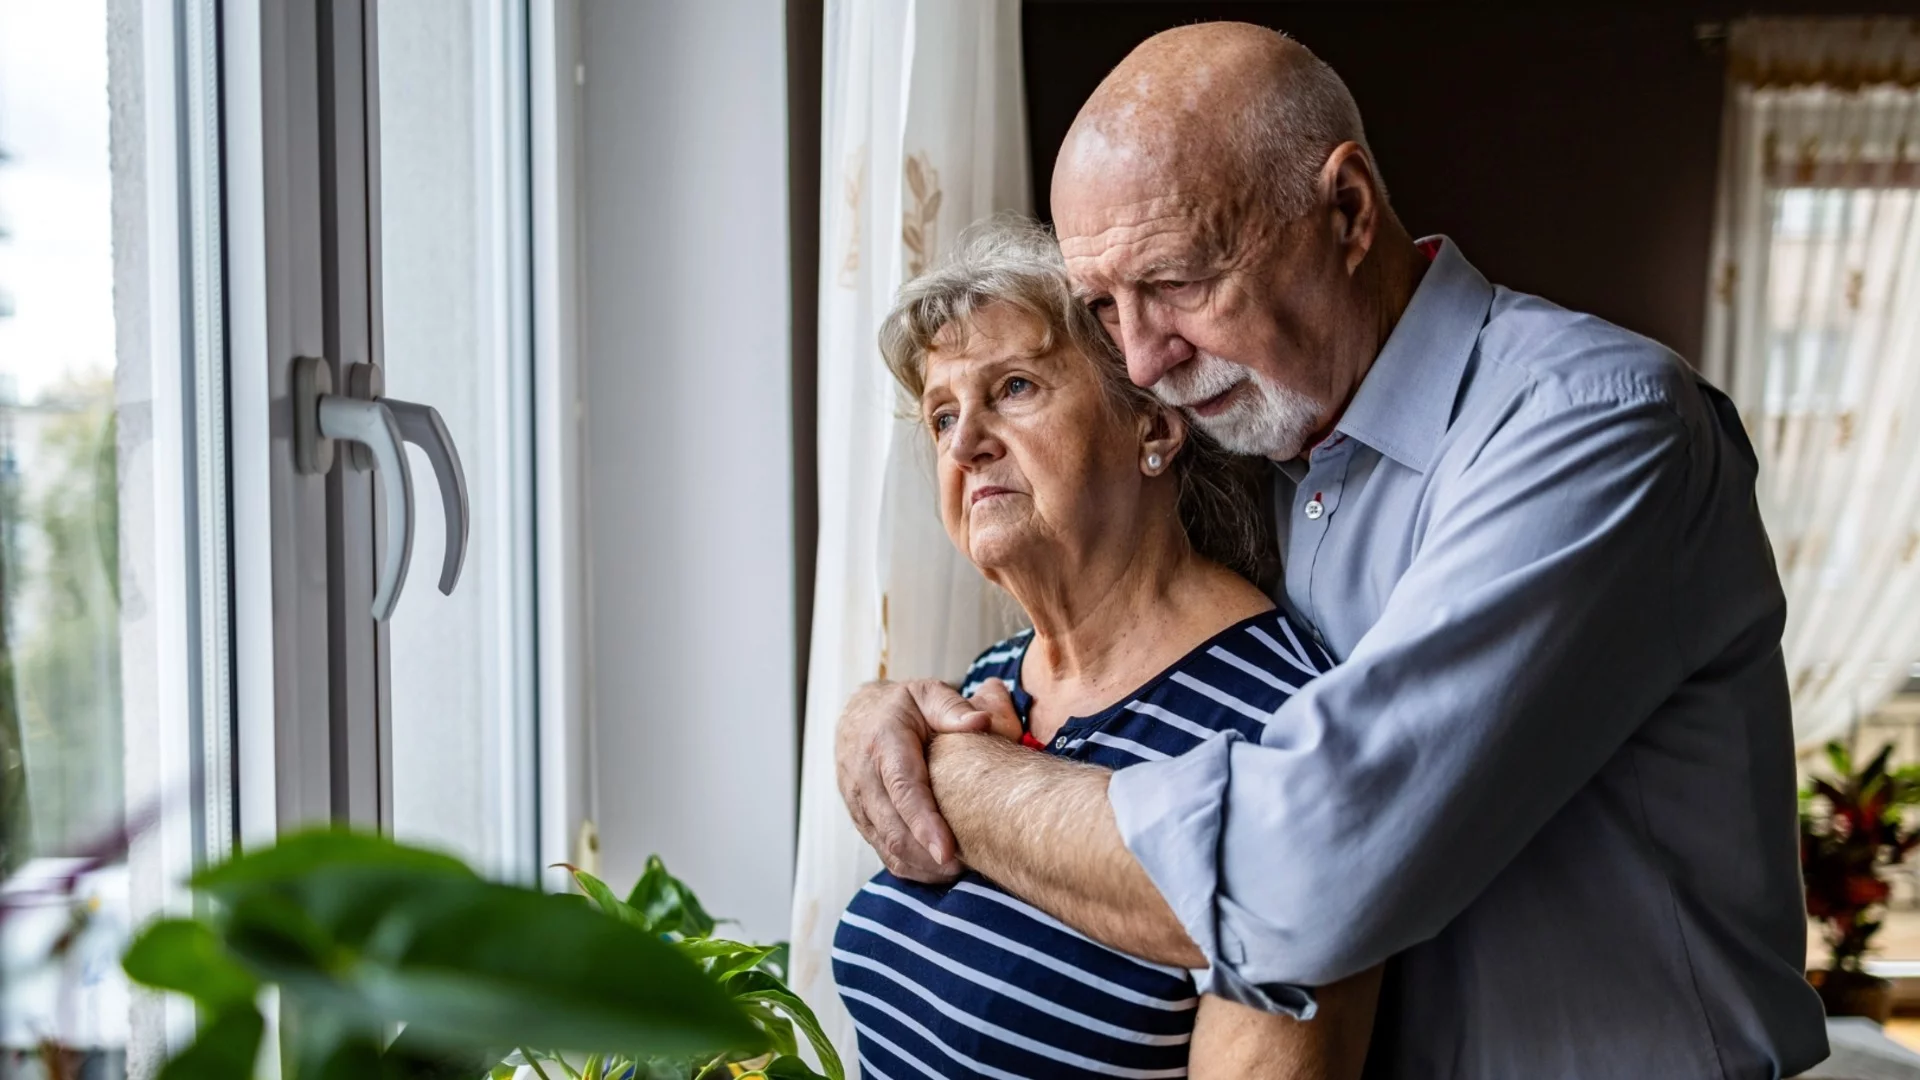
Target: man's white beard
1267,419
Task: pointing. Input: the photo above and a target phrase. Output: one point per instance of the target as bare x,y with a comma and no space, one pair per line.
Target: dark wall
1569,150
805,43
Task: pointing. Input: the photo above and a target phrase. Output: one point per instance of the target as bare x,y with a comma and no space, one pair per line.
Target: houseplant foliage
1852,830
752,976
361,935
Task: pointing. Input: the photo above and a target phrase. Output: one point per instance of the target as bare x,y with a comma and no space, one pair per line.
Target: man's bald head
1210,105
1219,210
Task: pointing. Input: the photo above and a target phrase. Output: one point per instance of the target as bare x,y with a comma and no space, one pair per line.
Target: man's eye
1018,385
1174,286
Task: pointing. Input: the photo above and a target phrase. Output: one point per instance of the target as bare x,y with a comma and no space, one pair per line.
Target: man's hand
995,701
880,759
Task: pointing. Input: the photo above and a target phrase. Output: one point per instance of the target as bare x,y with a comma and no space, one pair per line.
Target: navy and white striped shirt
968,981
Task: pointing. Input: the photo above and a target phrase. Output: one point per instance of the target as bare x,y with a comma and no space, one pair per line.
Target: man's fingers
884,830
945,710
909,790
996,701
880,764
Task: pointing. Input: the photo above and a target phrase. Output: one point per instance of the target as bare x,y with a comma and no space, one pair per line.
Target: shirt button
1314,509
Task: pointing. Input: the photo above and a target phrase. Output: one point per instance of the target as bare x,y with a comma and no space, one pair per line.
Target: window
455,299
113,632
199,200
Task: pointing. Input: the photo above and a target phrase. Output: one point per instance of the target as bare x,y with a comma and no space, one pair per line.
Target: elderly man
1552,776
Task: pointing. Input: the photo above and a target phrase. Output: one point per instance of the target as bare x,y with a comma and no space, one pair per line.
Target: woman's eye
1018,385
942,421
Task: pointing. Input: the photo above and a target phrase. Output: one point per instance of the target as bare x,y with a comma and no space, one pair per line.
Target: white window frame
301,137
565,778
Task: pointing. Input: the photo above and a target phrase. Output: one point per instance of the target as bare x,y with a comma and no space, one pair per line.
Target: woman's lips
987,492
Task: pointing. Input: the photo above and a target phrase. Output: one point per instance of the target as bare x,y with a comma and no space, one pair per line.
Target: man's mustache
1202,378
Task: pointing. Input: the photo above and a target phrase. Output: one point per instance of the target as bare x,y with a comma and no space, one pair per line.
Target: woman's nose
973,442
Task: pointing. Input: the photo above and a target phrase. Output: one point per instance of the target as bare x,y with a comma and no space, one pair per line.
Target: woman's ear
1163,434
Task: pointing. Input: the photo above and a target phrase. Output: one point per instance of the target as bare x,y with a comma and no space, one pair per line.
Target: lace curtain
924,131
1814,329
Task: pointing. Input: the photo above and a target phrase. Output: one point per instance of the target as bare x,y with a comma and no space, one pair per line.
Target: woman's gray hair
1013,260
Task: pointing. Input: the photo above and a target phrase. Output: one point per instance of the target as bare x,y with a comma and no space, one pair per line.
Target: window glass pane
61,786
98,658
1837,262
454,297
61,714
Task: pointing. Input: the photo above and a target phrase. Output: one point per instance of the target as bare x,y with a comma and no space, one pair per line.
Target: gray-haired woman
1124,536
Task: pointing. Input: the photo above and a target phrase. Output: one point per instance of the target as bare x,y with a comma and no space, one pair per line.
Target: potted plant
363,937
1852,829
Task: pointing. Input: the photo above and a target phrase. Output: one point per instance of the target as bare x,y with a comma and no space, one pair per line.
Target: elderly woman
1124,536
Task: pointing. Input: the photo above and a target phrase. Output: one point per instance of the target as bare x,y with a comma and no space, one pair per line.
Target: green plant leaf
1839,758
338,885
418,1060
758,986
598,891
778,962
659,1068
789,1067
460,965
778,1027
293,858
329,1044
722,958
667,904
224,1049
185,957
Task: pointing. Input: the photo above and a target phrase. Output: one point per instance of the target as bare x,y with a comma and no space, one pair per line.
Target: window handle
372,425
319,417
421,425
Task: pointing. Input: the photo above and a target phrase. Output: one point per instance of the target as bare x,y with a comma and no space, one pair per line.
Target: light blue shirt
1552,775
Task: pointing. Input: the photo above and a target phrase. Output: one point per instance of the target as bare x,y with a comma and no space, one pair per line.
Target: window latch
374,427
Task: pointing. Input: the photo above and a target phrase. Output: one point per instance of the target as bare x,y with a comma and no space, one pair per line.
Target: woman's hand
1232,1041
996,701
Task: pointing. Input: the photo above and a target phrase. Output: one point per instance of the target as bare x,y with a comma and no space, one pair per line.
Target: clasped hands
880,763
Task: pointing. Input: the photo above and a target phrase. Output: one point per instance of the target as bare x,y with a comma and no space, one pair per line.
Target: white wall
688,496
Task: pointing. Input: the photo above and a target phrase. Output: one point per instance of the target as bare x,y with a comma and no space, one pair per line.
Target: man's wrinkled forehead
1106,244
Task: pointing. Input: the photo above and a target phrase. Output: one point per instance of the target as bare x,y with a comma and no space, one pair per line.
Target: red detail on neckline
1027,740
1430,247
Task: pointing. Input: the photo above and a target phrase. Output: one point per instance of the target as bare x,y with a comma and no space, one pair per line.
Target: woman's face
1035,465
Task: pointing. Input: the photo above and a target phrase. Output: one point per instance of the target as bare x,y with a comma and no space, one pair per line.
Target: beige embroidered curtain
924,131
1814,329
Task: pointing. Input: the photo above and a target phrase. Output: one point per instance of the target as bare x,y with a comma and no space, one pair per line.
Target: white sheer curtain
1814,329
924,131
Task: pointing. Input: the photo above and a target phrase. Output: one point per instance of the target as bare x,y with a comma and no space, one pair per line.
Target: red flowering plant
1852,829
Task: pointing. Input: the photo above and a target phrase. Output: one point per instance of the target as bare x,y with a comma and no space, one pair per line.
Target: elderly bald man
1552,775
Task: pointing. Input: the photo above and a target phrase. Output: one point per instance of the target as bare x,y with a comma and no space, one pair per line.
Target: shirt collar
1405,402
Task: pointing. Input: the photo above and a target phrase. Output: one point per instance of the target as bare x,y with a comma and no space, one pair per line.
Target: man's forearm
1042,829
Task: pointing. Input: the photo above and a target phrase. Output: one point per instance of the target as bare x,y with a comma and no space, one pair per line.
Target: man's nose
1151,347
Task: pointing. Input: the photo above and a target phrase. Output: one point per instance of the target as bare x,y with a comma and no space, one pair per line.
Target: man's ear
1353,192
1163,435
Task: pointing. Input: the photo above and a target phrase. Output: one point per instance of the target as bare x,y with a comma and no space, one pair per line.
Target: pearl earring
1153,462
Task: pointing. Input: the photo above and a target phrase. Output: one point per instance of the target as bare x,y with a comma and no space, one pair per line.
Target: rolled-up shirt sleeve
1532,631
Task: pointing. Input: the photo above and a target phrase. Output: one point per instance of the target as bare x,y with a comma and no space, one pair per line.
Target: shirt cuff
1170,814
